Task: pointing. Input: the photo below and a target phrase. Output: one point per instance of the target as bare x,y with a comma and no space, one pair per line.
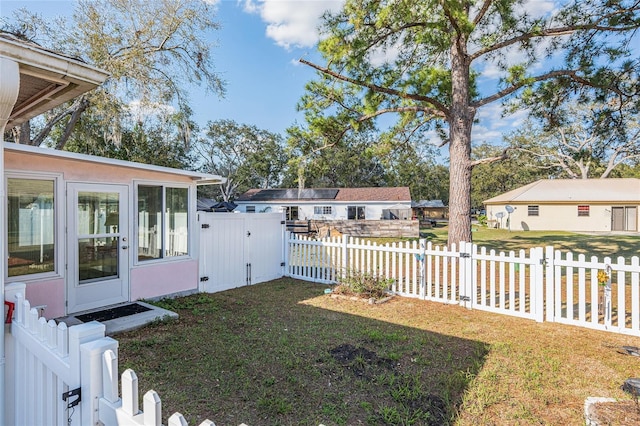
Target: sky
257,53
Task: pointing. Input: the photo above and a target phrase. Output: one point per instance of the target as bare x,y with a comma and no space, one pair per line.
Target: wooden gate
239,249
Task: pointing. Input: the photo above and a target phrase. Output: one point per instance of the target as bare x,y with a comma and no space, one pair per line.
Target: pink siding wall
147,281
50,293
159,279
80,171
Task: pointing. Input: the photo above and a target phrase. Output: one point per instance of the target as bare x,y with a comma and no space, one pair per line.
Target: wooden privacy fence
542,284
69,376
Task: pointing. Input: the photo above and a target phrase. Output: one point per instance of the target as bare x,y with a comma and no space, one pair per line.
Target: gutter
10,72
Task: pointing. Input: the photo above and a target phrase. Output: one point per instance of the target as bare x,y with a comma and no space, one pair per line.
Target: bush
482,219
364,284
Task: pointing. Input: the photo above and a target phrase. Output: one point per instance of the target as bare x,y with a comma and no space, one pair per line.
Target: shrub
364,284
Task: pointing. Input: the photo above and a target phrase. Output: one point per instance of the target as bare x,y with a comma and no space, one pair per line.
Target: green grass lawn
284,353
503,240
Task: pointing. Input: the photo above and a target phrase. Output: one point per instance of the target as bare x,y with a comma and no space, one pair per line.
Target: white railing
63,376
540,284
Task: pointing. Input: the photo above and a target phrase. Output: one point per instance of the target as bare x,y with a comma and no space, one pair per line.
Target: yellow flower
603,278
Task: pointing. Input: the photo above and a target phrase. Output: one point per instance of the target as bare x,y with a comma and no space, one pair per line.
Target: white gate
239,249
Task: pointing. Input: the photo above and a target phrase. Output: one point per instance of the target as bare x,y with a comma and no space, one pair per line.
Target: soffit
47,79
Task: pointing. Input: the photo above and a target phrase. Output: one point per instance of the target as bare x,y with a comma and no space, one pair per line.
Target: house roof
382,194
200,178
573,191
47,79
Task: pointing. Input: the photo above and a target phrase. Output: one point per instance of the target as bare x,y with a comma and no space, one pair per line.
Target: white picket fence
542,284
46,361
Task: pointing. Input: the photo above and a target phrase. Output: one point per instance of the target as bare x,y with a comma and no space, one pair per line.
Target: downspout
9,88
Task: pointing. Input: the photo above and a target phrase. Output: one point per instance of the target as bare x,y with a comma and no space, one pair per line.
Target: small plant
482,219
364,284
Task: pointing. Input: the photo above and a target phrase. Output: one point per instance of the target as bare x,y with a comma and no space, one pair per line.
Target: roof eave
66,77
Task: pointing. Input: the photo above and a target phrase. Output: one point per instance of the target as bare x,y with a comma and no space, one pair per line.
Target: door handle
125,247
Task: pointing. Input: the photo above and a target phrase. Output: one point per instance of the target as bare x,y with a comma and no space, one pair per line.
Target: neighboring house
430,209
569,205
330,203
81,231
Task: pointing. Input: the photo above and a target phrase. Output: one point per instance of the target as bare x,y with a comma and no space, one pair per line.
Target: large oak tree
153,50
422,62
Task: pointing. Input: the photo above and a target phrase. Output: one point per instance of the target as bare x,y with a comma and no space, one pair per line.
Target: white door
265,246
222,251
97,247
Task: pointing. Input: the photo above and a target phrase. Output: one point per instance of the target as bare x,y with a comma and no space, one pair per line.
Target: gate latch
67,395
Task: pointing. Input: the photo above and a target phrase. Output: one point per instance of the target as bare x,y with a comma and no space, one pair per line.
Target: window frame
288,212
191,226
357,209
322,210
584,210
59,215
533,210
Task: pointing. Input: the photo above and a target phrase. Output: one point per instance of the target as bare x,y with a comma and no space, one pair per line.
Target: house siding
373,210
558,201
556,217
164,278
146,279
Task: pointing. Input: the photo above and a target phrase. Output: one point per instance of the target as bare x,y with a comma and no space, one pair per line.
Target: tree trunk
22,133
460,124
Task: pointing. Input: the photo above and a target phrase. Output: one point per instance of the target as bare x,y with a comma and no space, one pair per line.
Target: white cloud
539,8
292,23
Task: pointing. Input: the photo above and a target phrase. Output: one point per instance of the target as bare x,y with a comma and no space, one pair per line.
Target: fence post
423,270
538,252
465,281
287,242
91,376
345,254
550,304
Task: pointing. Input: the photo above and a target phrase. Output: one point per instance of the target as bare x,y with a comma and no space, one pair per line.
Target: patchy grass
600,245
283,353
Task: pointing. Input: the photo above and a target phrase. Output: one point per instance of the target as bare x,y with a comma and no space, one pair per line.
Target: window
30,226
355,212
583,210
322,210
250,209
533,210
291,212
163,222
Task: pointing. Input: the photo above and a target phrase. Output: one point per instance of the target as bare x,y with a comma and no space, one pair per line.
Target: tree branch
438,105
489,160
37,141
82,106
482,11
554,32
572,74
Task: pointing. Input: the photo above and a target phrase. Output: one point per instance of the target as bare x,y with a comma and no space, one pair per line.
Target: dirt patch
347,354
428,409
